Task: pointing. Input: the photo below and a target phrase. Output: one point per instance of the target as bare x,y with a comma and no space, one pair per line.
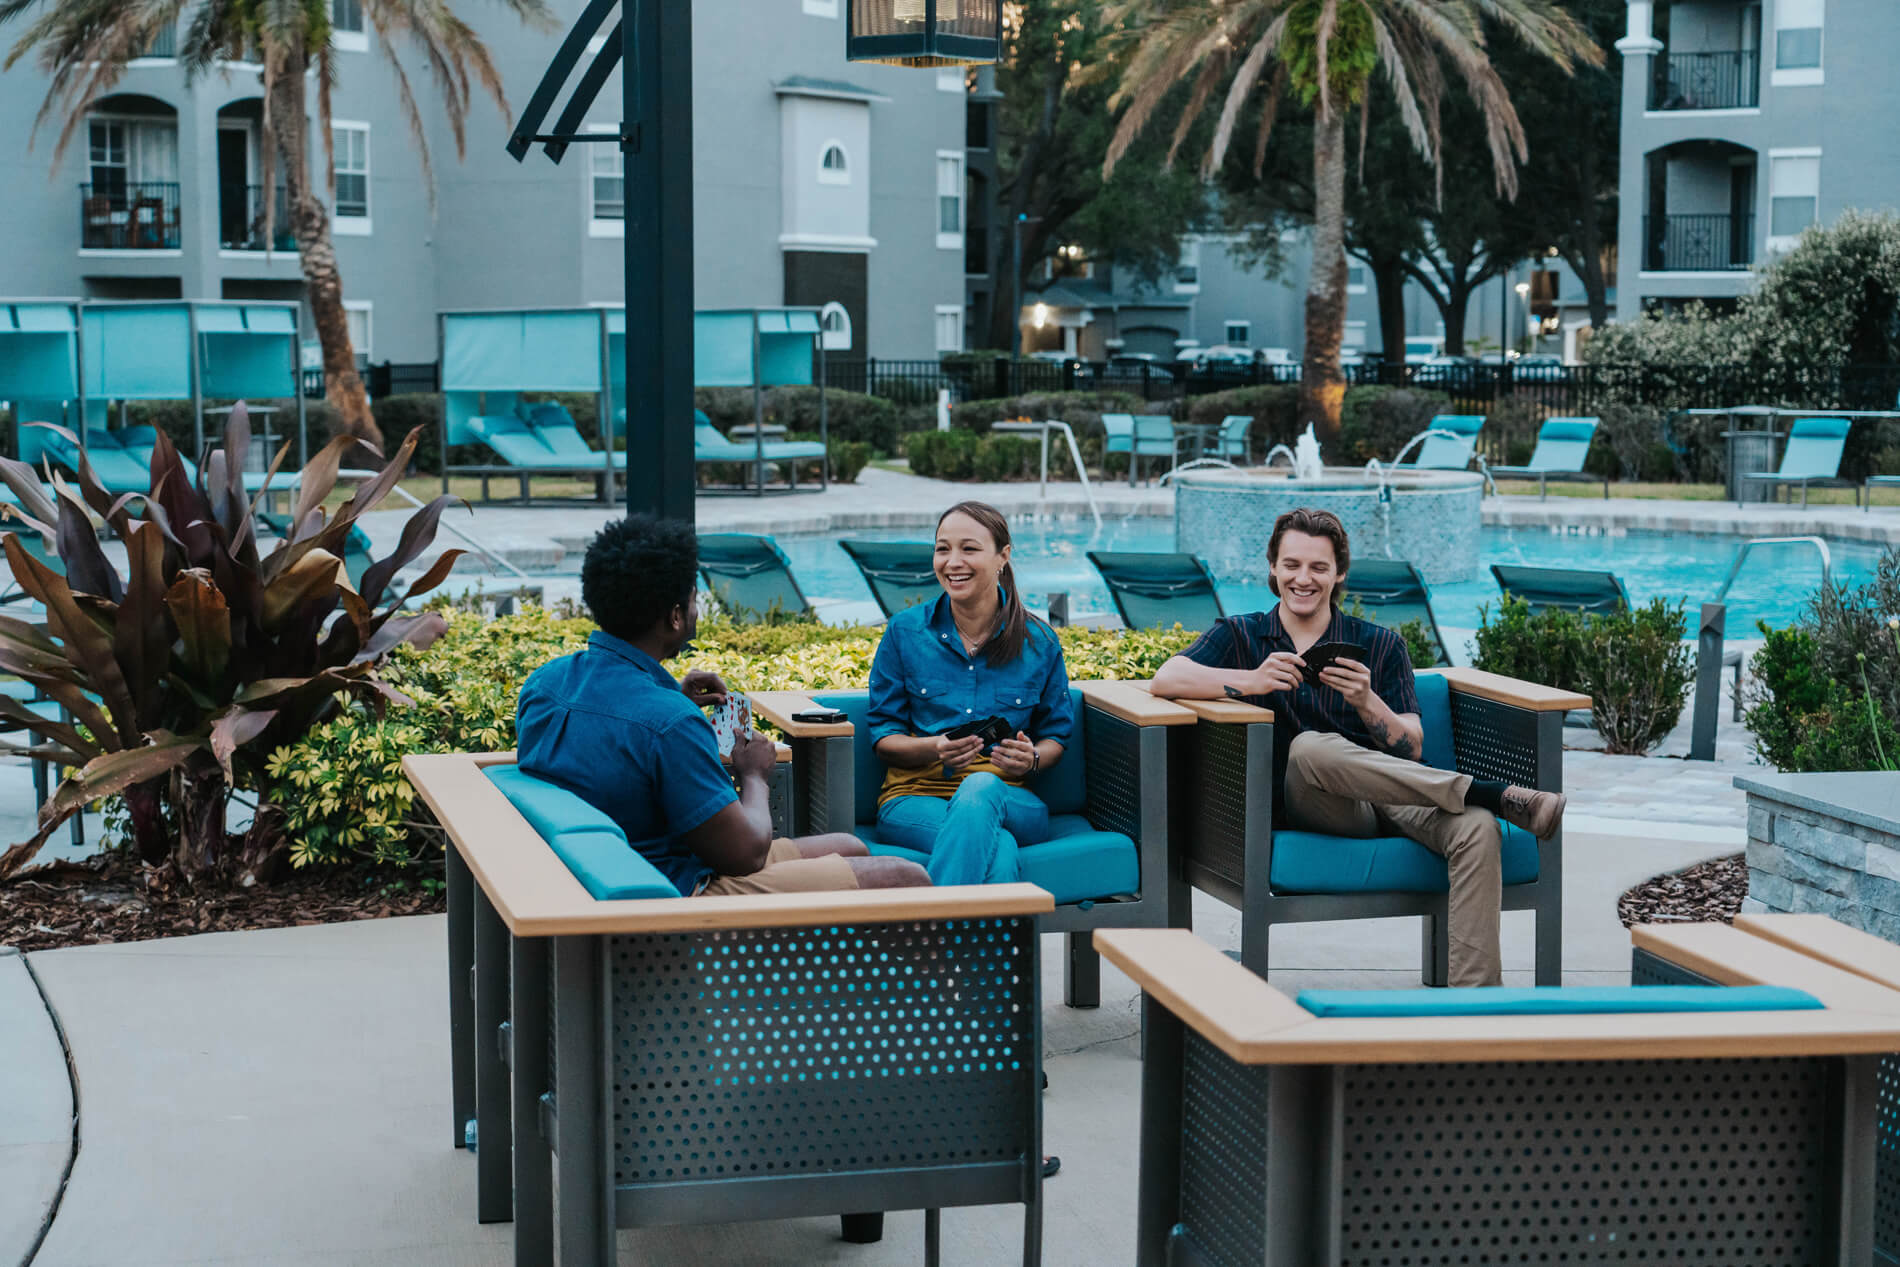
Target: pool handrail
1741,556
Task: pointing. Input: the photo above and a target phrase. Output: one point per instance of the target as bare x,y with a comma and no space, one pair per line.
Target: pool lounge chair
1574,589
1562,445
554,427
749,576
710,446
525,452
1153,438
1232,442
119,469
1448,453
900,573
1812,456
1159,590
1392,592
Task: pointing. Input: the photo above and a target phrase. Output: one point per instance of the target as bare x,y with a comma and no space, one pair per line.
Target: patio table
1199,435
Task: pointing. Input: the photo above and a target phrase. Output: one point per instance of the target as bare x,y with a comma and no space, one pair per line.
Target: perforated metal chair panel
745,1054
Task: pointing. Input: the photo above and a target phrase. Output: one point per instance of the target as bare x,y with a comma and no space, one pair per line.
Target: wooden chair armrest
1230,711
777,707
1132,702
1734,957
1509,690
1831,942
1212,994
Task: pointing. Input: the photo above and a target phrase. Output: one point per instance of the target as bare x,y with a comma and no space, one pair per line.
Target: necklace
971,641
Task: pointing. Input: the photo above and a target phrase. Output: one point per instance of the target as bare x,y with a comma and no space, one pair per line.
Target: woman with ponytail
970,655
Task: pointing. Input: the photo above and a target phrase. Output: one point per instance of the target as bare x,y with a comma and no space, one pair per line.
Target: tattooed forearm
1394,738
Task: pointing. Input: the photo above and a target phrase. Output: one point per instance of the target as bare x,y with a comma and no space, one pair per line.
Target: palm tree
84,45
1325,52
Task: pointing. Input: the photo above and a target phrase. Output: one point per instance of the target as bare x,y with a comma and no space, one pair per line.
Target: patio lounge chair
1232,442
749,576
1106,863
561,937
119,469
710,446
900,573
1812,456
1448,453
1575,589
554,427
525,451
1483,724
1159,591
1392,592
1542,1125
1562,445
1153,438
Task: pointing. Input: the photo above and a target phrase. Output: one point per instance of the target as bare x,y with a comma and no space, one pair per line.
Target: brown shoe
1539,813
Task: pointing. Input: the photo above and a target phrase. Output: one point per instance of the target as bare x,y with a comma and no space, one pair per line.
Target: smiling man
1347,748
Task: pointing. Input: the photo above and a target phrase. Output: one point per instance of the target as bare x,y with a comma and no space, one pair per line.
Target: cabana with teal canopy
163,350
760,348
40,360
491,357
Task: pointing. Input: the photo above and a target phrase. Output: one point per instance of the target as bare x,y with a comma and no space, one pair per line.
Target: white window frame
604,226
955,313
838,175
1190,258
364,350
363,225
1246,332
346,40
946,240
1786,242
950,79
834,340
1797,15
821,8
1362,287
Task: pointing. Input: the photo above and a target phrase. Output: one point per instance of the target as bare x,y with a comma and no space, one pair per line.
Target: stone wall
1814,846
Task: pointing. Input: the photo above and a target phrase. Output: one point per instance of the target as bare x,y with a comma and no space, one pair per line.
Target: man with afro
609,724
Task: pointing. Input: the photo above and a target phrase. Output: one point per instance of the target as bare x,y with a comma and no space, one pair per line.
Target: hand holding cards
1321,655
731,722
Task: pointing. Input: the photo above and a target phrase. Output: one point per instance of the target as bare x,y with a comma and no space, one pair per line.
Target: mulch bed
107,901
1708,892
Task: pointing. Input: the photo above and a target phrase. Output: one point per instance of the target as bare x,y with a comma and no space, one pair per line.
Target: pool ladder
1712,659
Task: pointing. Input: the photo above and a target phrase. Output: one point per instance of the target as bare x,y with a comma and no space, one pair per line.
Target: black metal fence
129,216
1706,81
1698,243
388,379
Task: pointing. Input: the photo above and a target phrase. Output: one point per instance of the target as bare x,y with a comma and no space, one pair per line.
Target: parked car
1538,367
1136,368
1441,368
1423,347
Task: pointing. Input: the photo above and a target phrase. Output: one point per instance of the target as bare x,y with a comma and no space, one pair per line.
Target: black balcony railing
241,225
1698,244
140,216
1706,81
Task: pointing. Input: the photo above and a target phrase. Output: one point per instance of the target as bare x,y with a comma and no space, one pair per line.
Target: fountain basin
1430,518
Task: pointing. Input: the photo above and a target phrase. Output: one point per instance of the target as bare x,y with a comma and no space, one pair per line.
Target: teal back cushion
1434,718
1062,789
584,838
1553,1000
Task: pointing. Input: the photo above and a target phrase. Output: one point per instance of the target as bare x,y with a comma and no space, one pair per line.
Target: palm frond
1244,80
1211,74
1269,111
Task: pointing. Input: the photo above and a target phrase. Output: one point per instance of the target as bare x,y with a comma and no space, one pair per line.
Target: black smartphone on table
822,716
1321,655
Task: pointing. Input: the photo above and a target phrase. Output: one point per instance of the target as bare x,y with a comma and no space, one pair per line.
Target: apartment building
1744,122
817,182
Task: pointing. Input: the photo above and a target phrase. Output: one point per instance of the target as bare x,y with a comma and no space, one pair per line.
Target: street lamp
924,32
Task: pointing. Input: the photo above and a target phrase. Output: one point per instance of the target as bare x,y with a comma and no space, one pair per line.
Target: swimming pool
1050,556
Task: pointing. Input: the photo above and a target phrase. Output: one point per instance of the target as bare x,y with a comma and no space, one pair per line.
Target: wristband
1035,759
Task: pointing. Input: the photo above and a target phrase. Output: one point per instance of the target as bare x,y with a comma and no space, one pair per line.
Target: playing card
731,721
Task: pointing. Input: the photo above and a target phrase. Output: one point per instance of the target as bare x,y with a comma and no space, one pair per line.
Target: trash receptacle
1751,450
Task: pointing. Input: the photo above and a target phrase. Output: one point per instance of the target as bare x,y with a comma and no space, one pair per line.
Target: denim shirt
924,683
611,726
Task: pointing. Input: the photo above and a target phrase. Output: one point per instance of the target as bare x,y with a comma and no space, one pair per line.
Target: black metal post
1708,682
657,140
1016,290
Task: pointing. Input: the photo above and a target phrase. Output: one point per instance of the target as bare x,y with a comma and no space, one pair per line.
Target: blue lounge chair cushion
1076,864
1583,429
1312,862
590,844
1120,429
1813,451
554,427
513,440
1558,1000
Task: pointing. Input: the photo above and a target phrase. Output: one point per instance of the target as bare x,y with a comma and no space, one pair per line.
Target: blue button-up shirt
924,683
610,725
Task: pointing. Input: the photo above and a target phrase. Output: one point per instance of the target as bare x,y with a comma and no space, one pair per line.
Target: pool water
1050,556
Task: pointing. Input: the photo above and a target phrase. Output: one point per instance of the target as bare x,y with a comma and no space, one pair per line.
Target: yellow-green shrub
342,790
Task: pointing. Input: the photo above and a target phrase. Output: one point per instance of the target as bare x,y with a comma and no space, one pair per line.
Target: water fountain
1428,517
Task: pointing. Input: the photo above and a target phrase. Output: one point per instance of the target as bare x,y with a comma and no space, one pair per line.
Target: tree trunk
144,804
1590,236
200,793
1452,308
1322,385
316,252
1388,276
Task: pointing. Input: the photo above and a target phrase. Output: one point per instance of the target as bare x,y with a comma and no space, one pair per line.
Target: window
352,176
1187,273
1239,333
124,153
822,8
949,200
606,186
1794,192
111,161
1797,42
346,26
835,323
949,327
357,315
1356,278
833,167
1355,336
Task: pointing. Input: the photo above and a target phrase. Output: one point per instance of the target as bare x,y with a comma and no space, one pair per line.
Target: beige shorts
786,871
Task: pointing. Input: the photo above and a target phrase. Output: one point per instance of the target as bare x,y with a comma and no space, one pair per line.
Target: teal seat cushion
1310,862
785,450
1076,864
1553,1000
591,844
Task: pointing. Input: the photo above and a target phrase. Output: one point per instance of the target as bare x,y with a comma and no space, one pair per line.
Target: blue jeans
971,837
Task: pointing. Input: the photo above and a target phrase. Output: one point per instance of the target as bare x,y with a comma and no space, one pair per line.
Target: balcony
129,216
1698,243
241,223
1706,81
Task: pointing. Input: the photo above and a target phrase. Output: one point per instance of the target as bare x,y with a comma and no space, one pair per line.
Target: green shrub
1081,410
1545,647
1626,442
849,416
397,415
848,457
1419,648
1009,458
1376,421
943,455
1275,411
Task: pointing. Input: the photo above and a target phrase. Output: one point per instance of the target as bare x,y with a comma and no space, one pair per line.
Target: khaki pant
1336,787
787,871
